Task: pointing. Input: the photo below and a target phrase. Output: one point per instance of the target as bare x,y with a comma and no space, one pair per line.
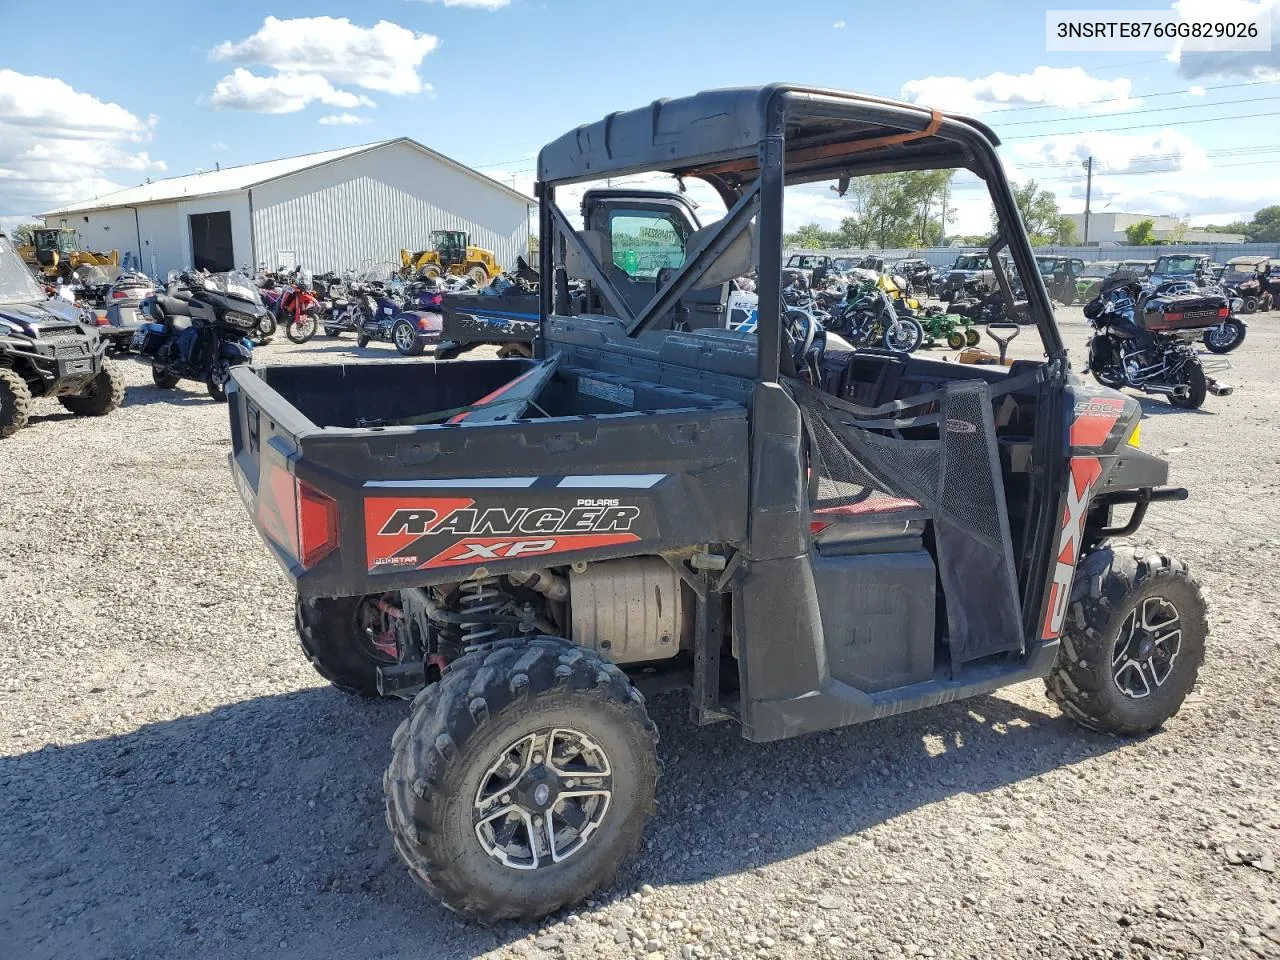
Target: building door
211,241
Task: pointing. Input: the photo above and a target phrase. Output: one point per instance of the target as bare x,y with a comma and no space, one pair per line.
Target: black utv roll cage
748,144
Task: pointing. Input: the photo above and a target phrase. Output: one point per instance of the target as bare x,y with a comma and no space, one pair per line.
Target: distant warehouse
324,211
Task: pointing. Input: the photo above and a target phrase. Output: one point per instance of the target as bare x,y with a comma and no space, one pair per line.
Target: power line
1143,126
1131,96
1134,113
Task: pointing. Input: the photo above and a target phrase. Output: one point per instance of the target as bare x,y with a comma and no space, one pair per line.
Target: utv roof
717,133
1250,261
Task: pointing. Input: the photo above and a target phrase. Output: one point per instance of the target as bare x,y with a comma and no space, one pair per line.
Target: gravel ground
176,782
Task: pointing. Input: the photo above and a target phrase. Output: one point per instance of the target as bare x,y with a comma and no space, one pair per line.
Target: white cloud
282,93
480,4
838,25
59,145
1196,91
1246,64
1162,150
343,119
220,146
1049,86
314,59
384,57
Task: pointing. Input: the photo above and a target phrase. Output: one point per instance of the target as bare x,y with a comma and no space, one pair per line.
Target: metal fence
945,256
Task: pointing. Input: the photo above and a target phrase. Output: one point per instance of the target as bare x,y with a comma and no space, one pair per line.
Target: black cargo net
934,455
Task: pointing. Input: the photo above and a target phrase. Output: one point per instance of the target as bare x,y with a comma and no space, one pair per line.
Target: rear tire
972,338
452,755
362,340
1117,592
15,403
1192,375
479,276
333,638
406,340
104,394
956,340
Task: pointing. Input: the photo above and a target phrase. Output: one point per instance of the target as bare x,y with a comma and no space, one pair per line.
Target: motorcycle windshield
17,285
380,272
234,284
90,276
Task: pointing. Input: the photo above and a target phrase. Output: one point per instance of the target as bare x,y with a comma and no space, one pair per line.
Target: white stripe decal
633,481
456,484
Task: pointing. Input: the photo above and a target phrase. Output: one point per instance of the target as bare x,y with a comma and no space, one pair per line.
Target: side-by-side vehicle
804,537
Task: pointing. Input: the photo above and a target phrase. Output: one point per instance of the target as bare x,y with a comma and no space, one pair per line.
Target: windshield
90,276
17,285
234,284
843,264
972,263
1103,269
1177,265
382,271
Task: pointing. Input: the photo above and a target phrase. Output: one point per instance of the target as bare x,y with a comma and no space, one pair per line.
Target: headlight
242,320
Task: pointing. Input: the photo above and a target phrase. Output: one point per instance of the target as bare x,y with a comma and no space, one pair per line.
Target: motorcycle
410,320
198,329
1144,340
868,316
124,308
1225,336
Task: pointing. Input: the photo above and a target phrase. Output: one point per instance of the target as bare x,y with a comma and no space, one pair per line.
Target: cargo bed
352,501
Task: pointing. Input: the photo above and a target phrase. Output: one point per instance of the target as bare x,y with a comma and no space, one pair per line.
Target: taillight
297,516
1224,311
118,295
317,525
101,319
437,299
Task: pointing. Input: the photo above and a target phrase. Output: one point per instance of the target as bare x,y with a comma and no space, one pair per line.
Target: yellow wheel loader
54,252
451,252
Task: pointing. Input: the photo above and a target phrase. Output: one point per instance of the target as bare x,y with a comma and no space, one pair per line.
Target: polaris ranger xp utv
805,537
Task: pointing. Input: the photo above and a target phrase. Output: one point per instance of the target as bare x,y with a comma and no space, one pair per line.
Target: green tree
1039,211
1236,226
812,236
1142,233
1265,225
24,234
1065,232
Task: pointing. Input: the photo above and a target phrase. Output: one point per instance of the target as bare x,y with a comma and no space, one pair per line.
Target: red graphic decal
392,523
1084,474
478,551
1094,419
490,397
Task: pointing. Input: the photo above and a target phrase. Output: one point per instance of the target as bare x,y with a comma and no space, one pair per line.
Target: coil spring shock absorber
482,599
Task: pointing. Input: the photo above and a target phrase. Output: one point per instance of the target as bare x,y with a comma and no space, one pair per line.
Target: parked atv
805,536
46,351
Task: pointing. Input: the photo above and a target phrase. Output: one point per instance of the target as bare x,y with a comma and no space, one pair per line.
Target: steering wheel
808,340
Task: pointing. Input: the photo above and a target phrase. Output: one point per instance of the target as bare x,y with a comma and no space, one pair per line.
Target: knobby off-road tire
333,640
104,394
164,380
461,729
15,403
1110,586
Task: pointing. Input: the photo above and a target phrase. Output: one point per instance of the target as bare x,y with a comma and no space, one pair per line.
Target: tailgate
351,511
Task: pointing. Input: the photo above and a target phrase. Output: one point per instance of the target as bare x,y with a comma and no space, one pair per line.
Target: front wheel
302,329
104,393
1133,641
971,337
479,276
955,340
522,780
903,335
1250,305
163,379
1226,336
362,339
15,402
405,338
217,381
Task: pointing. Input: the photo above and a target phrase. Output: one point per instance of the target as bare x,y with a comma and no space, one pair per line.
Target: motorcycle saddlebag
148,336
1189,311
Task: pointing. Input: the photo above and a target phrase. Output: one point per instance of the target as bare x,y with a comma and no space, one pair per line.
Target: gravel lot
176,782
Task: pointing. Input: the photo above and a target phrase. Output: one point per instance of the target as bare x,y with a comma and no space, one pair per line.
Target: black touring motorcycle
804,537
1146,340
200,328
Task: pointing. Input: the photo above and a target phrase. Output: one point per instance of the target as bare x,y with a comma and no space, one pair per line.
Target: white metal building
324,211
1109,228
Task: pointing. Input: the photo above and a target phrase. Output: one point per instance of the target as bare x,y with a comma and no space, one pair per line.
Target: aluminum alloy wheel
1223,335
1146,648
405,337
542,799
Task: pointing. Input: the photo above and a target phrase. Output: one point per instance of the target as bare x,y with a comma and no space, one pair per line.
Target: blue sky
169,87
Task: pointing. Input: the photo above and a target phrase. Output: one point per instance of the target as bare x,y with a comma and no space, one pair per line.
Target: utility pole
1088,194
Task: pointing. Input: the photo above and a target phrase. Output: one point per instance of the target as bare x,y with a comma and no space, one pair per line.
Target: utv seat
875,525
